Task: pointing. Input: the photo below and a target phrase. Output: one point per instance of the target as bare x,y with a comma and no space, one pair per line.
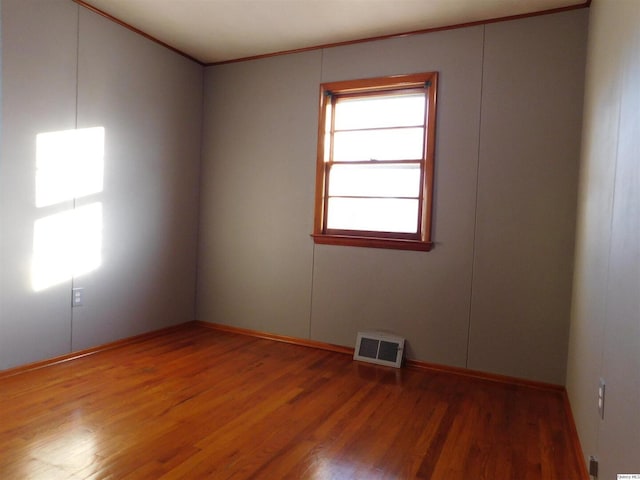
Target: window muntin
374,184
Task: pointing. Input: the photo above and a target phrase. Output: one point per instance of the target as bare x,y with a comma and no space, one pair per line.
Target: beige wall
64,67
527,186
605,321
494,293
39,48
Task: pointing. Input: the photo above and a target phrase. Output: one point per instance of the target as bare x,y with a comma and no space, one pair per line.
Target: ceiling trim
578,6
83,3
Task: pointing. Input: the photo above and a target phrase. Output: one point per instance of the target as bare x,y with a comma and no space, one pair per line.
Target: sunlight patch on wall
69,166
66,245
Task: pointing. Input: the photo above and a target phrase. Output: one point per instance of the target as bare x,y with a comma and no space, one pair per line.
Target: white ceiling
220,30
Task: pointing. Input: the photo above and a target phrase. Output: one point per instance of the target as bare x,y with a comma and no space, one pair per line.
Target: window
374,177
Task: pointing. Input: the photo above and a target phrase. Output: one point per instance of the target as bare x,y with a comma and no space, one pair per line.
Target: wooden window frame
404,241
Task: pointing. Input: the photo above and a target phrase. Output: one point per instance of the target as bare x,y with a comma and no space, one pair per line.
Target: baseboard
278,338
413,364
89,351
480,375
577,448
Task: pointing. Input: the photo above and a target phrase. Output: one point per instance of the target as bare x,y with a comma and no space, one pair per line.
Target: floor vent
379,347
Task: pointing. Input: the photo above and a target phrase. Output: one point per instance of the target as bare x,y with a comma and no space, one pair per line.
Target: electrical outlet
77,296
601,392
593,466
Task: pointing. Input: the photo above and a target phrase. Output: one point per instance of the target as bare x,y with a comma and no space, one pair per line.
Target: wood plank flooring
196,403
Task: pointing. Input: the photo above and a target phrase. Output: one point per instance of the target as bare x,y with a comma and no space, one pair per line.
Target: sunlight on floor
336,469
62,455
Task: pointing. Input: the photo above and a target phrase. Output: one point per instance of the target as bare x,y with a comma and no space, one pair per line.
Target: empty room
320,239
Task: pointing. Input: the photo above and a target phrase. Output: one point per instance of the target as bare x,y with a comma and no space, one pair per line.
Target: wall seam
475,209
313,251
73,279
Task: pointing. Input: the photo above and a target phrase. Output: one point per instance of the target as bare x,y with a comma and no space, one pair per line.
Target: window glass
373,214
380,111
391,144
375,180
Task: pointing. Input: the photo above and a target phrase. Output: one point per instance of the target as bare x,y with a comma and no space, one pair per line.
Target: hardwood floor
196,403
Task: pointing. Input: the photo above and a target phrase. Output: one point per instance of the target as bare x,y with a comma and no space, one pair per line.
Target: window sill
371,242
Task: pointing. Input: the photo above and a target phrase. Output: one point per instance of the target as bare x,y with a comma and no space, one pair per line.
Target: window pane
373,180
380,111
373,214
393,144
